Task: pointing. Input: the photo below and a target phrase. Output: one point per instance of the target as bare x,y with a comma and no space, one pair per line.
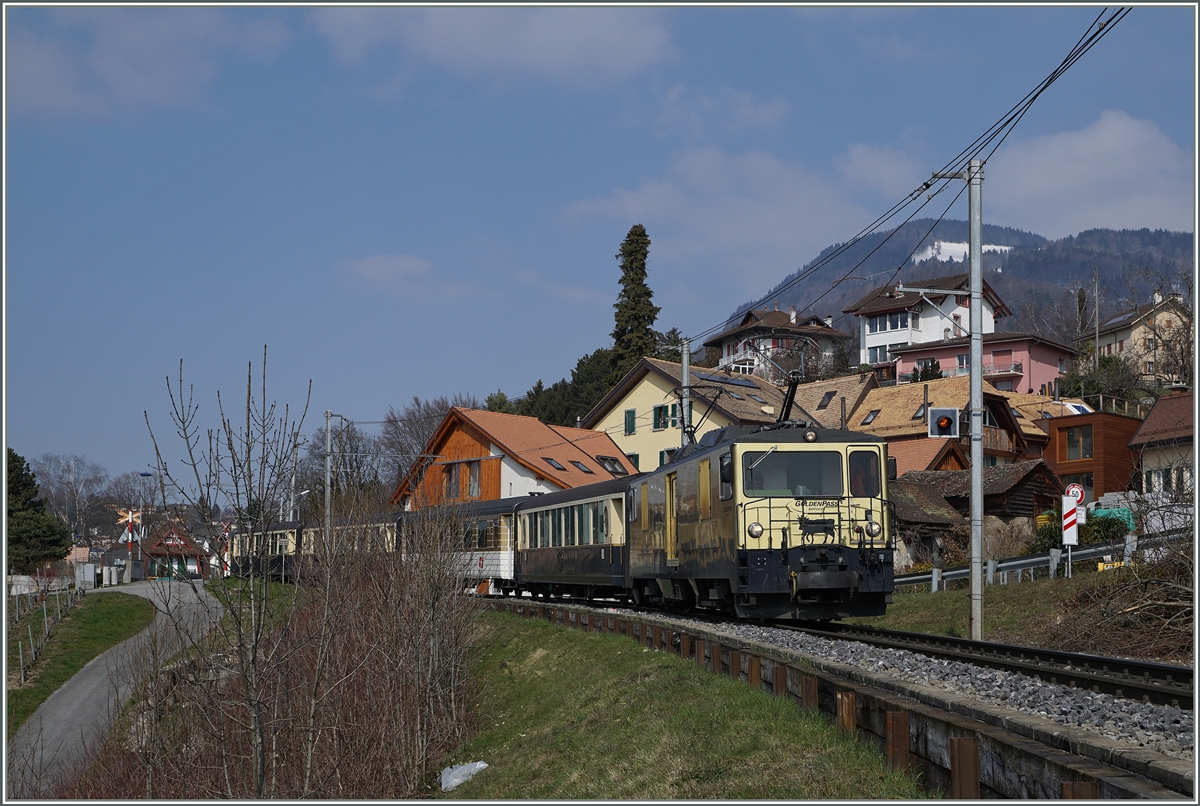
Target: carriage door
672,533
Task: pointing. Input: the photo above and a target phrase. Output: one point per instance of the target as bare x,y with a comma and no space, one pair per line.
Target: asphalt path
55,742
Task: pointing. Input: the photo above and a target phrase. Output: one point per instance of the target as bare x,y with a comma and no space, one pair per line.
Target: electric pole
685,397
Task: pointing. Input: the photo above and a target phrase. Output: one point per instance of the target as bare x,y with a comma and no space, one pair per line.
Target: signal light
943,423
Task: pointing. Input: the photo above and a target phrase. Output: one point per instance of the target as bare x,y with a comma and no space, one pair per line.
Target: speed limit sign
1075,491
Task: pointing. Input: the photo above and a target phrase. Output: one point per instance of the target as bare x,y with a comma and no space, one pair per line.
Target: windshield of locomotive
794,474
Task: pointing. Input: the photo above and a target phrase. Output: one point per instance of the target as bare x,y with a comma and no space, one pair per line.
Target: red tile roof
1173,419
919,454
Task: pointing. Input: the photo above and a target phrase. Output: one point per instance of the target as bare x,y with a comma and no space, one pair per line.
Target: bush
1096,532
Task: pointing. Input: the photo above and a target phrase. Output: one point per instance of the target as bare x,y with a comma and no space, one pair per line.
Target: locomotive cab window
726,476
864,474
792,474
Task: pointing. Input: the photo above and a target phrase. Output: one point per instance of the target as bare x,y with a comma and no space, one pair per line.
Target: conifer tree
34,535
633,335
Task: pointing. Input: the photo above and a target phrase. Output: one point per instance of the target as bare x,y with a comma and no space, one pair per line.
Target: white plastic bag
459,773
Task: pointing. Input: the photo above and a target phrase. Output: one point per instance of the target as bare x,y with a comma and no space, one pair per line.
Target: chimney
828,321
1157,297
776,305
792,316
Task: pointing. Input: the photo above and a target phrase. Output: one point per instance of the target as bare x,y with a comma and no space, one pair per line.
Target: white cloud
561,43
90,61
405,277
754,215
883,170
1119,172
691,112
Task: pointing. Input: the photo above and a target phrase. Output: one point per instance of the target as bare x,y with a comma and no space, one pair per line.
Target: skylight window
734,395
553,463
1018,414
871,417
920,412
759,399
827,399
612,465
581,466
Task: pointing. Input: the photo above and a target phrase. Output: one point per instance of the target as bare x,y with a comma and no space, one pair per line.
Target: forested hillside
1037,278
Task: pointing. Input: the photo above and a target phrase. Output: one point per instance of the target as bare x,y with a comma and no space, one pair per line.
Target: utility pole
685,396
328,473
974,177
1096,299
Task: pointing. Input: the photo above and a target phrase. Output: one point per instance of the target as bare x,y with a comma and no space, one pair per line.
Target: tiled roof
1031,407
529,441
997,479
875,301
897,405
781,322
988,338
1173,419
918,502
850,388
1127,318
706,384
918,454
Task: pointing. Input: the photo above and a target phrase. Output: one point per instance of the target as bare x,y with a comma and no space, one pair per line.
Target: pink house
1012,362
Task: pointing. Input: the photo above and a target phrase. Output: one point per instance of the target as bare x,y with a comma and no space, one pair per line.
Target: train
783,521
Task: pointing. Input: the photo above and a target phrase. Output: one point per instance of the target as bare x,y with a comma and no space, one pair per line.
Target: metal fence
999,571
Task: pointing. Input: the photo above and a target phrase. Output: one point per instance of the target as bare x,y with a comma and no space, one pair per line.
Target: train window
482,536
864,474
631,505
798,474
704,491
726,491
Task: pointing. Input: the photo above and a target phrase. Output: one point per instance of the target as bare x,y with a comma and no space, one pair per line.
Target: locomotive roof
792,431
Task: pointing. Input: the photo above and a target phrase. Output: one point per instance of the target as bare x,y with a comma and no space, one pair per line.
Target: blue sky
423,201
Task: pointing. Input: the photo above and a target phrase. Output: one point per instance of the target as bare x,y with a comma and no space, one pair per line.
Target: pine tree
633,335
34,535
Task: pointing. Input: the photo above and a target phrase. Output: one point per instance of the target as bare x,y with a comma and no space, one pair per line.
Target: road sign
1075,491
1070,525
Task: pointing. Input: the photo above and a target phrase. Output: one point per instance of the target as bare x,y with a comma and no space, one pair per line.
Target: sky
420,201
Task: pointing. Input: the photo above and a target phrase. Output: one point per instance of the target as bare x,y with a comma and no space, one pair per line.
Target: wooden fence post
1080,790
735,664
897,740
755,672
779,681
964,768
845,712
700,653
685,646
808,692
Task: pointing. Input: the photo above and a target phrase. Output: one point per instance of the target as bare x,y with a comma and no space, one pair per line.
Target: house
1091,450
172,551
830,402
478,455
1156,337
898,413
890,317
1030,409
773,332
1012,362
1163,446
641,413
1013,496
924,521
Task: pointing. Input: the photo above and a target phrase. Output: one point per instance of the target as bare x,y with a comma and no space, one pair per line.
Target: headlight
810,435
874,528
754,530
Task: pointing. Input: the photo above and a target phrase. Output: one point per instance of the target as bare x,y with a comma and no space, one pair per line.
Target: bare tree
406,432
72,488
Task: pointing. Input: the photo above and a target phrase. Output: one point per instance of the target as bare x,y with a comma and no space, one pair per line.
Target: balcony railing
989,370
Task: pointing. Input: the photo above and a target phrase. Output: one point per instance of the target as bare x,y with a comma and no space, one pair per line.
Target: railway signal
943,423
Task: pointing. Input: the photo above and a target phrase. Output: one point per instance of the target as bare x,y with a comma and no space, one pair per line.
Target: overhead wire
998,132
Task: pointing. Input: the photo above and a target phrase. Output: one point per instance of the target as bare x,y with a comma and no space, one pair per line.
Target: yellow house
641,413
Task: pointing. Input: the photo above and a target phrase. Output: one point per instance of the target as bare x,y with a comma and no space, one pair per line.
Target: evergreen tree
35,536
633,335
928,372
498,401
669,346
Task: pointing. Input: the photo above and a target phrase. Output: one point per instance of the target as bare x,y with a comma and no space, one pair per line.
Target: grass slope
96,623
564,714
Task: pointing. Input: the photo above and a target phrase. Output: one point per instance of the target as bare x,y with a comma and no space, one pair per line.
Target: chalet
1013,495
1163,446
830,402
924,521
480,455
641,413
1156,337
1012,362
899,413
891,318
772,332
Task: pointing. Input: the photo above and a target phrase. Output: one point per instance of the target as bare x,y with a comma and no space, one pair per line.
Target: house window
990,461
613,465
1121,346
553,463
633,460
665,456
660,418
1149,344
914,319
887,321
870,418
473,479
825,400
1149,366
876,355
1079,442
1062,365
920,412
1004,386
963,360
957,324
582,467
451,485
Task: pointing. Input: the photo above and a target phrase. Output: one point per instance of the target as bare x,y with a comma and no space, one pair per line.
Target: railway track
1158,683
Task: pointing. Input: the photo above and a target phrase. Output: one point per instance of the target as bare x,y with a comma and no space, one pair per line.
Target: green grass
1023,614
96,623
564,714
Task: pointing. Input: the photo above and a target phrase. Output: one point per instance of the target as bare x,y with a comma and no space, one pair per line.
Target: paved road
53,743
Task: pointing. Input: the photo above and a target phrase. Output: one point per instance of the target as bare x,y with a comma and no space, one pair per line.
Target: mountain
1037,278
